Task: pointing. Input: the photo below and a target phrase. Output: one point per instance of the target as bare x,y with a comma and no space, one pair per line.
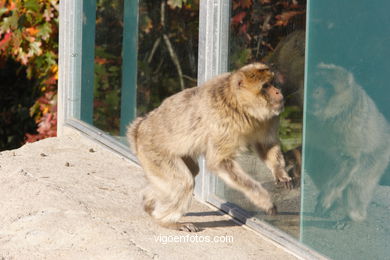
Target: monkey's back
191,121
181,123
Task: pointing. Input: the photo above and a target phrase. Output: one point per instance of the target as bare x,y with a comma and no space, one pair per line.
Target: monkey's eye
266,85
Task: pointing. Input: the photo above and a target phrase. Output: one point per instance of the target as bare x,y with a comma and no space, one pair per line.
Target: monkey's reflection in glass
351,136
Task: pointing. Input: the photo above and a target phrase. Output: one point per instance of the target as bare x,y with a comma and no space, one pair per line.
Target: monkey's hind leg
169,192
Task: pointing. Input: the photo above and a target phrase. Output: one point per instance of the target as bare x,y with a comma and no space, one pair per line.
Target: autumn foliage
29,37
257,26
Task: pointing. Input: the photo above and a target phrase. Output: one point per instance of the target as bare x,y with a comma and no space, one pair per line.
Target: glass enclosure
345,202
272,32
136,53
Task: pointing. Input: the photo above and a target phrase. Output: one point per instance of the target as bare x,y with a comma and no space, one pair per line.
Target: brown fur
229,112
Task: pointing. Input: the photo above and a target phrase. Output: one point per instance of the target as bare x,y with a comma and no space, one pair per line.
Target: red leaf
246,3
5,40
101,61
284,18
235,5
238,18
244,28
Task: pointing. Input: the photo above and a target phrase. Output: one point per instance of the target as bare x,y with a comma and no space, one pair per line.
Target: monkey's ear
239,83
237,79
279,78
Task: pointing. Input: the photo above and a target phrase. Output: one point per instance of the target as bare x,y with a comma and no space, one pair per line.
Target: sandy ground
70,198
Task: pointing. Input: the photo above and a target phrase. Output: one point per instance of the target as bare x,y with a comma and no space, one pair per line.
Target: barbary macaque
289,60
226,114
357,148
293,160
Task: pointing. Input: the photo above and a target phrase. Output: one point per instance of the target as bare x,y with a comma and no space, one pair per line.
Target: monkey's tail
132,133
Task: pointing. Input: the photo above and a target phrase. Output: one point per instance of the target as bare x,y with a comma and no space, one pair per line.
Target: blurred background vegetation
167,59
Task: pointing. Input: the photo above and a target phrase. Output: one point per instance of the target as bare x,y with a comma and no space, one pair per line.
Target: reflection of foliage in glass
108,62
291,127
257,27
167,43
260,25
168,50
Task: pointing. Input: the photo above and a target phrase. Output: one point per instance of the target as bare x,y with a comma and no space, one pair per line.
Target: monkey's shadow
239,216
213,223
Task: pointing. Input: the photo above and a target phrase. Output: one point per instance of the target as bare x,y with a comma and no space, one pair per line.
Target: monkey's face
333,93
256,89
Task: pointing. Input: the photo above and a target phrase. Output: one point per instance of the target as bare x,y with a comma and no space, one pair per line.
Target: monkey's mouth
278,106
280,103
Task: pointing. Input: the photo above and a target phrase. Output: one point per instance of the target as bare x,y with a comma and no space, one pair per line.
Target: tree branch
171,51
155,45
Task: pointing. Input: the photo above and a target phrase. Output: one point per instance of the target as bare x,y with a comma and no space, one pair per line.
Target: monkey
288,59
357,149
293,160
228,113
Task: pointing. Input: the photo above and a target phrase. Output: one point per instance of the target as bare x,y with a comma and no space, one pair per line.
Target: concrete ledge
70,198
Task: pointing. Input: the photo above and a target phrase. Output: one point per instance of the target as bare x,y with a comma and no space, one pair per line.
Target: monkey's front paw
272,211
188,227
323,205
286,181
281,176
320,211
327,199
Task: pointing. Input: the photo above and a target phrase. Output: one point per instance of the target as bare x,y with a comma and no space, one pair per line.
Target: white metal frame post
69,78
213,49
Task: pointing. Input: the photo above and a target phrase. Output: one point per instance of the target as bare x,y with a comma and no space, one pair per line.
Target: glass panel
132,65
108,65
167,50
346,206
272,32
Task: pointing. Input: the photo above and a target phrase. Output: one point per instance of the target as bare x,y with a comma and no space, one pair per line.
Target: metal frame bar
214,16
88,60
70,53
129,64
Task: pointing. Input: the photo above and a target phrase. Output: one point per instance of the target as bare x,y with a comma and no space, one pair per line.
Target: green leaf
9,23
35,48
3,11
32,5
176,3
44,31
